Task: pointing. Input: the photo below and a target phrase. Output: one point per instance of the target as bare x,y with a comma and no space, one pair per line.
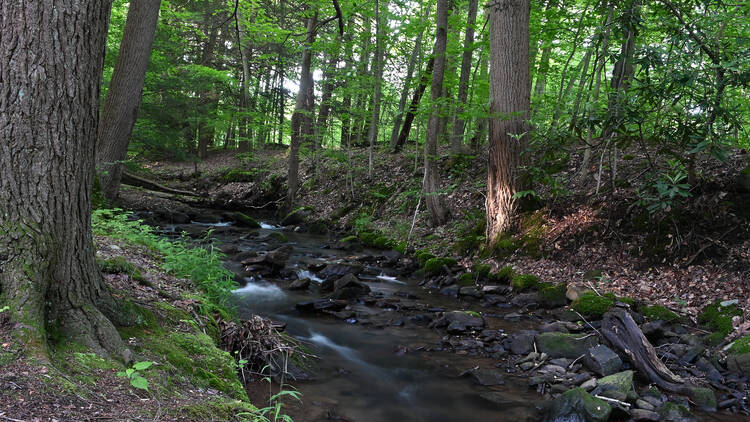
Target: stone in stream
300,284
470,291
334,271
602,360
644,415
560,326
671,412
704,398
321,305
577,405
276,258
451,290
739,364
561,345
617,386
461,321
349,287
486,377
523,342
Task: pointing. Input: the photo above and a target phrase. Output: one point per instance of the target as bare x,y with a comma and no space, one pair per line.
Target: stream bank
496,348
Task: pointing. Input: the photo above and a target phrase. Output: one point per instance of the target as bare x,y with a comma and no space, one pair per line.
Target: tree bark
372,134
123,100
463,84
302,117
414,106
209,99
433,199
49,103
509,109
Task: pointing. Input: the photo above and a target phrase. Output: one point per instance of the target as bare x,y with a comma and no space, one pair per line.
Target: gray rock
349,281
710,370
300,284
617,386
643,404
704,398
522,343
653,330
671,412
561,345
589,385
495,290
577,405
602,360
739,364
339,270
525,299
560,326
470,291
486,377
644,415
451,291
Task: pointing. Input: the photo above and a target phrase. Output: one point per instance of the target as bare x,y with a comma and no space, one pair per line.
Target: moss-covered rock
466,279
704,398
244,220
553,296
658,312
423,256
503,275
592,305
563,345
521,282
578,405
718,319
672,412
435,265
116,265
621,382
533,228
481,270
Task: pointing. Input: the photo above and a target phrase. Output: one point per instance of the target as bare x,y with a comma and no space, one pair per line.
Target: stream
374,365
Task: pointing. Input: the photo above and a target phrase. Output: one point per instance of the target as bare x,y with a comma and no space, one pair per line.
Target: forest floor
684,259
191,379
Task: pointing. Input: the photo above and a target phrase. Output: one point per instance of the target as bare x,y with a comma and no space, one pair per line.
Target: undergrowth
180,258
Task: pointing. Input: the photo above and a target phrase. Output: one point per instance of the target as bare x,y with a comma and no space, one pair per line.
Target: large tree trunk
301,119
463,84
433,199
414,106
51,76
509,109
208,100
120,109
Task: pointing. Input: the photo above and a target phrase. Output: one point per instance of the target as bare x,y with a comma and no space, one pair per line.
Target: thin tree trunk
346,102
207,99
301,119
416,55
374,120
120,109
463,84
480,136
509,109
48,132
244,143
433,198
414,106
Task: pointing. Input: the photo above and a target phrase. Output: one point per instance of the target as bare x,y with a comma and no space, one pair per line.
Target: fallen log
619,328
133,180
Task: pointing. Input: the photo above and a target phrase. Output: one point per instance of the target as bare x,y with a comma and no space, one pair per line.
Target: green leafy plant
134,374
663,192
273,412
5,308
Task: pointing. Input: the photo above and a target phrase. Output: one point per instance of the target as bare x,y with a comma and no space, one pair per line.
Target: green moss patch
522,282
221,410
503,276
237,175
592,305
466,279
718,319
553,296
423,256
435,265
741,346
658,312
120,265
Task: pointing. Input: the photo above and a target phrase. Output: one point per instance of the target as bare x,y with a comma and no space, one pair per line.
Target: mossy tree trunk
49,102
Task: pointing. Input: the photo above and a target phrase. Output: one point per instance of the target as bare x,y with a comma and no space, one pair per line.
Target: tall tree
509,108
372,135
51,77
120,109
463,84
438,212
414,106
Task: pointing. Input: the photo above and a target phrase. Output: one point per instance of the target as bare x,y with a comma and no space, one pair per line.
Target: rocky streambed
393,342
